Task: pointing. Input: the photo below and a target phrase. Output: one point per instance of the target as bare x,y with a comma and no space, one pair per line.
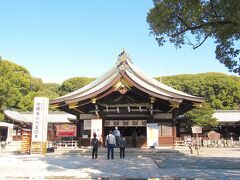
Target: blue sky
59,39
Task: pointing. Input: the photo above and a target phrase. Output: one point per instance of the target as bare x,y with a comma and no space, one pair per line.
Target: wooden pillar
79,124
103,134
174,132
175,114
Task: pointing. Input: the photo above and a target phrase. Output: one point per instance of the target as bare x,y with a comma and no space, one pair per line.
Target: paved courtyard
211,164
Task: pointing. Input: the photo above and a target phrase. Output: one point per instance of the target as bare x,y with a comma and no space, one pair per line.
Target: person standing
122,145
110,143
94,144
117,135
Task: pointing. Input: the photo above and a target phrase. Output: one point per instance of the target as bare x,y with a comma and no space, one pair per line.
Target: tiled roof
27,117
125,66
227,116
4,124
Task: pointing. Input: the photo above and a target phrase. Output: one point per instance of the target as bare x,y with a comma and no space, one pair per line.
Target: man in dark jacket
122,145
94,144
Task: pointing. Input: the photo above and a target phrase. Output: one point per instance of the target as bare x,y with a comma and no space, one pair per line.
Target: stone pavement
75,166
211,164
223,164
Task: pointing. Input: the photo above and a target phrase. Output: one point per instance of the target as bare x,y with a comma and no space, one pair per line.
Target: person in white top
117,135
110,143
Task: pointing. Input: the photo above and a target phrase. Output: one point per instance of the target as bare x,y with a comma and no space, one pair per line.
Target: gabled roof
125,70
27,117
4,124
227,116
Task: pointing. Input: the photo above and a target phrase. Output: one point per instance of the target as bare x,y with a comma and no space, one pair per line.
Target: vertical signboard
10,133
39,125
152,134
197,130
96,127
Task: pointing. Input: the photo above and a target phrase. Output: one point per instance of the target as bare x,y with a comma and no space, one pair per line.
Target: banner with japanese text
152,134
96,127
40,118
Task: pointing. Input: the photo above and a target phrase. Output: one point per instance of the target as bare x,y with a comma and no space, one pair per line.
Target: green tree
26,102
15,83
73,84
49,90
201,116
221,92
18,88
193,21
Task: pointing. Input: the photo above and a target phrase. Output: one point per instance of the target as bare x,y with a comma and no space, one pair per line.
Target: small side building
60,124
229,123
6,131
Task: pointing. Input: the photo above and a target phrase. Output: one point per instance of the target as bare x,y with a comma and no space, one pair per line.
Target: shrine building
126,98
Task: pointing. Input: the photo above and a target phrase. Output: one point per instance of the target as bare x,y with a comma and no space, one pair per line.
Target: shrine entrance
125,97
133,130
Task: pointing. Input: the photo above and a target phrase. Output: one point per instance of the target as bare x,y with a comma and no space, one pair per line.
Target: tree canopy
193,21
221,91
201,116
15,85
18,88
73,84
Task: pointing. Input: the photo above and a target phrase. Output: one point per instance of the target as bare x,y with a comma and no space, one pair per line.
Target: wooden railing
63,144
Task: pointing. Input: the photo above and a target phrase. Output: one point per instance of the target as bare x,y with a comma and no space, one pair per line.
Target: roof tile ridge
112,77
227,111
11,114
155,83
91,85
154,87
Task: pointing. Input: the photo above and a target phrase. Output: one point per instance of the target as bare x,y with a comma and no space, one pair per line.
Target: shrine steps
132,151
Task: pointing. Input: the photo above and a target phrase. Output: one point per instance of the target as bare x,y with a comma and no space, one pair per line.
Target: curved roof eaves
162,86
147,86
86,88
16,116
97,88
27,117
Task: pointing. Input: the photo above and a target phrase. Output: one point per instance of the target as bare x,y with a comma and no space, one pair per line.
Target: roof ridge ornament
123,57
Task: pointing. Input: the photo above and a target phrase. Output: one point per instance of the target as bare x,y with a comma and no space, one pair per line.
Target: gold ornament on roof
124,56
152,99
73,105
93,100
122,86
174,104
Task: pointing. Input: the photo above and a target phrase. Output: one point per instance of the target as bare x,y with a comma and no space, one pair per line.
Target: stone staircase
15,148
131,151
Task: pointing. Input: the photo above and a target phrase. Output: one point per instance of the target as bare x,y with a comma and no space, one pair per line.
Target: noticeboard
26,141
66,130
152,134
196,129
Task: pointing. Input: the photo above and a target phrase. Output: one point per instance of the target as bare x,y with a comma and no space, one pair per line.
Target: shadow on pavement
170,166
